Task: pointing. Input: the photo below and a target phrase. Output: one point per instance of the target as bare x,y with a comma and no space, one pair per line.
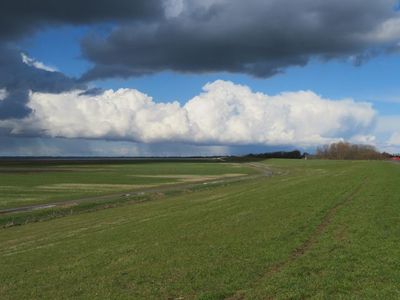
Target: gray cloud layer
21,17
258,37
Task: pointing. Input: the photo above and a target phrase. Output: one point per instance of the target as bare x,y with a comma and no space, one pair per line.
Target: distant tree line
337,151
344,150
296,154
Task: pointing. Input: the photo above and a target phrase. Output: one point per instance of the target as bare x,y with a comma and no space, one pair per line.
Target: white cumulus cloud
223,114
36,64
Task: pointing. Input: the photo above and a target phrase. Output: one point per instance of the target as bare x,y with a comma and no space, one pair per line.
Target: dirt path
263,169
307,245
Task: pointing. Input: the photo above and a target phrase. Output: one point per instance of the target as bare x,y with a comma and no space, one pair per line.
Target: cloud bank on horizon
224,114
257,37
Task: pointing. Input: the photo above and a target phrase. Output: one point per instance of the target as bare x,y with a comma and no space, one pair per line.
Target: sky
191,77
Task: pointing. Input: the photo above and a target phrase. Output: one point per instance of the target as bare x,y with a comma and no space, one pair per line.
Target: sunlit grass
240,239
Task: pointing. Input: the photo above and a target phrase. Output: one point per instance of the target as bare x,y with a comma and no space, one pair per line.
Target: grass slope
320,229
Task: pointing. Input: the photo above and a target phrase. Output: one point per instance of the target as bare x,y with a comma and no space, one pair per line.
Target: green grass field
315,229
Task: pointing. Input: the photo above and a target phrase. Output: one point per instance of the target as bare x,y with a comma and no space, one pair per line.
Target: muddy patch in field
86,186
191,178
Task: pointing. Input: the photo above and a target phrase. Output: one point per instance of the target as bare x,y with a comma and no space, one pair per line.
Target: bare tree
344,150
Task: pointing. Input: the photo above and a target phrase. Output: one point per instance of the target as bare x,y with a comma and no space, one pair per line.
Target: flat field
30,183
314,229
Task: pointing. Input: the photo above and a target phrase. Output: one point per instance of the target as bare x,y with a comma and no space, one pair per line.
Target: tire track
307,245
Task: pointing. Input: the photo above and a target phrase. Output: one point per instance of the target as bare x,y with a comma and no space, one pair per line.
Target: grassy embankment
320,229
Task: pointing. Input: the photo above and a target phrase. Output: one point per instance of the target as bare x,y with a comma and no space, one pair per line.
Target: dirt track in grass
307,245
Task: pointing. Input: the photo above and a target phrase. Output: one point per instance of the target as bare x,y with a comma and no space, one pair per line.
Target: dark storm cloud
18,78
258,37
20,17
